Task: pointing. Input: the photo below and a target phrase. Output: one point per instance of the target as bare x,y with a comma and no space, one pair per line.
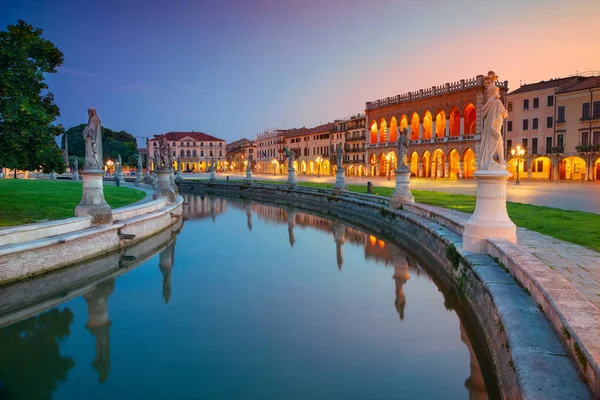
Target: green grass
570,226
26,201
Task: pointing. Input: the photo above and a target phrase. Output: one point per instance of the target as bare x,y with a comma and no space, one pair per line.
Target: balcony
356,138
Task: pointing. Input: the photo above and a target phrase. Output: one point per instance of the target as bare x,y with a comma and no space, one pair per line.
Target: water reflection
35,342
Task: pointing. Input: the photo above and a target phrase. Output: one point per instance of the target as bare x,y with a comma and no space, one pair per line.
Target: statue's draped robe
491,135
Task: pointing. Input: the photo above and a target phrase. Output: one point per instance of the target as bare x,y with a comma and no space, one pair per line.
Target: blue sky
233,68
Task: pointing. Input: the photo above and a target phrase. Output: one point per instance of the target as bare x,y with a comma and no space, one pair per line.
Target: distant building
354,145
238,154
194,150
312,149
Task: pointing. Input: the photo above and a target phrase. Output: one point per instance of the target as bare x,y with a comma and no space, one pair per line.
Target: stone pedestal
147,177
178,177
402,192
164,188
52,176
76,176
291,181
490,219
138,177
92,201
248,180
120,176
212,176
154,182
340,182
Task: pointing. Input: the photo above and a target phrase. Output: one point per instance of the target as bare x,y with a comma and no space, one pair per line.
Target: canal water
248,301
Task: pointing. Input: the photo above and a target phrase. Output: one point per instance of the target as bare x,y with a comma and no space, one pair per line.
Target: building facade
239,153
193,151
312,148
444,125
355,146
269,147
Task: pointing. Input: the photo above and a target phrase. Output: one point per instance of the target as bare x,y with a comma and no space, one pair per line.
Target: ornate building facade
444,125
238,154
193,150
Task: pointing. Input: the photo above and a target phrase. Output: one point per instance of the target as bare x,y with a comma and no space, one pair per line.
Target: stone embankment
538,328
33,249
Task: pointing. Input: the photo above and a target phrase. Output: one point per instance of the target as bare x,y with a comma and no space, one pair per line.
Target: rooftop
199,136
583,84
549,84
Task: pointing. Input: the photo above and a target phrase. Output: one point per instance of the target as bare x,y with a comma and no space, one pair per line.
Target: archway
541,168
373,165
311,168
382,165
427,125
468,163
414,163
404,123
202,166
373,132
597,169
440,124
296,165
325,167
572,168
361,170
425,169
349,170
454,122
438,164
414,127
303,167
393,129
470,119
454,160
383,134
514,164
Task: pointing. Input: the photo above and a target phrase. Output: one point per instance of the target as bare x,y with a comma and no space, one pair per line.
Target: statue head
92,112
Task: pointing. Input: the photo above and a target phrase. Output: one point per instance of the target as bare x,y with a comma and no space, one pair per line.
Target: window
536,102
174,144
526,104
508,145
561,114
585,111
596,110
525,124
510,106
534,143
194,152
550,101
585,138
524,144
211,153
549,122
202,144
194,144
596,139
540,166
201,153
154,144
534,123
549,144
187,153
188,144
174,154
509,126
220,153
220,144
560,140
181,153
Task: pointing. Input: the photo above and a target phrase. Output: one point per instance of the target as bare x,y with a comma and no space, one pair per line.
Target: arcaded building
444,125
193,151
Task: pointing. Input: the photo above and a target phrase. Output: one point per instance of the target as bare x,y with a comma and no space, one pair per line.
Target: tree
113,144
27,108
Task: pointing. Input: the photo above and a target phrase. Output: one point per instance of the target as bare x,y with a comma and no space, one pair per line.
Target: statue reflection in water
99,325
165,264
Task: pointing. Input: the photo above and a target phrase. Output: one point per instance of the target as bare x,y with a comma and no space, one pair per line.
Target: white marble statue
139,163
92,135
403,145
493,113
157,164
119,163
75,165
291,159
340,156
165,156
212,164
249,165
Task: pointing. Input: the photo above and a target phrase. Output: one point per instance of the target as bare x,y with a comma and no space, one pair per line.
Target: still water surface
249,301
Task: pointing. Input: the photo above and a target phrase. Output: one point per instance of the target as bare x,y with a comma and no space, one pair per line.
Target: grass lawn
577,227
25,201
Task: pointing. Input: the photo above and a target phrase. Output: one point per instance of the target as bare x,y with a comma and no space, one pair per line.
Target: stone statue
340,156
249,165
212,164
403,145
493,113
291,159
157,164
92,135
76,165
119,163
139,163
164,149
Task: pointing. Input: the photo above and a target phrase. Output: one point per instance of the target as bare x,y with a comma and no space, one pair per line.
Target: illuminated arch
427,125
373,132
426,170
454,164
541,168
414,163
470,119
440,124
393,128
454,122
414,127
382,165
438,164
383,135
404,123
572,168
468,162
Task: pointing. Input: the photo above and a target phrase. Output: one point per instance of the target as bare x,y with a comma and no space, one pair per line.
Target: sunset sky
234,68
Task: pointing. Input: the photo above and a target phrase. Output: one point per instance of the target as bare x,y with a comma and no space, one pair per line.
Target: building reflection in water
165,265
200,207
474,383
99,325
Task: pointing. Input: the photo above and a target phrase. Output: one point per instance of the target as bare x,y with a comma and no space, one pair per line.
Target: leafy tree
31,365
113,144
27,108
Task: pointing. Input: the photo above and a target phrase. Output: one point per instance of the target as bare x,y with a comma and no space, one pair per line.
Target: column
528,165
420,170
462,125
378,135
447,133
460,170
446,169
420,131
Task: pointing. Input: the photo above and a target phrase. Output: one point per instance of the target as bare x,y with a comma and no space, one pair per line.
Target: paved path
565,195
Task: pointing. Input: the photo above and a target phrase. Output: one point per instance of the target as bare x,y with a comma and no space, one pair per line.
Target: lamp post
109,165
518,153
319,159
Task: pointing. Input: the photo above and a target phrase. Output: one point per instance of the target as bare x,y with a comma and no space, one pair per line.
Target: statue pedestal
138,176
402,192
291,181
147,177
212,176
76,176
164,188
154,182
248,180
490,219
92,201
340,182
178,177
120,176
52,176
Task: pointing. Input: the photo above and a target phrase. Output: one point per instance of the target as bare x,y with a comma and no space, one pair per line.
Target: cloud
141,87
77,72
190,88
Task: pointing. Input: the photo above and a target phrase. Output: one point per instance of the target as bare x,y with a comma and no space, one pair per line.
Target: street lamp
518,153
109,165
319,159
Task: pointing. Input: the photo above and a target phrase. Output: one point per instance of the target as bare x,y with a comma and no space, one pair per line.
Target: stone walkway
577,264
